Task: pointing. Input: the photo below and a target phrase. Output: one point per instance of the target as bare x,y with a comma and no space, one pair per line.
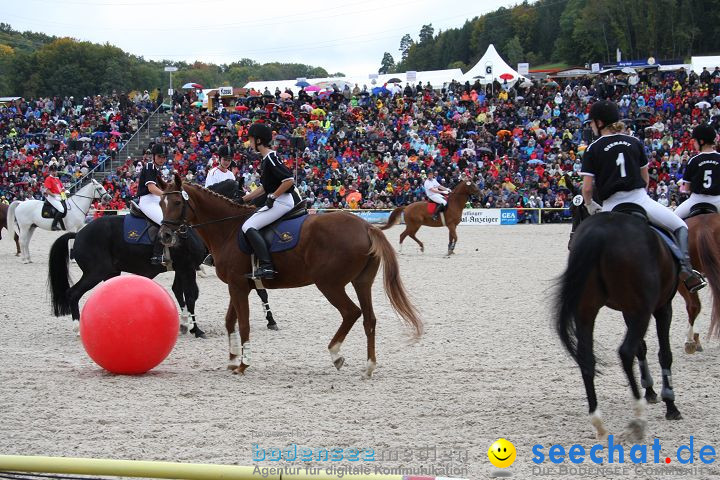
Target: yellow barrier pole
131,468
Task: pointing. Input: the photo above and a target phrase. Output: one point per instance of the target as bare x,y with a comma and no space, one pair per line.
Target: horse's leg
192,292
663,317
24,243
637,324
86,283
692,307
646,380
410,231
239,298
585,324
350,312
453,239
17,244
363,288
233,337
271,324
179,296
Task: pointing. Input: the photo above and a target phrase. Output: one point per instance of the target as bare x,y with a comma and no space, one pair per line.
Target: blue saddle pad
280,237
669,241
136,230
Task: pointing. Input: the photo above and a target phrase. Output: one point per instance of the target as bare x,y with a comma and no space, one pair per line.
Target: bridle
181,225
98,188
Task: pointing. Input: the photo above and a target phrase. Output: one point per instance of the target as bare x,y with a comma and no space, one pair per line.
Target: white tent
709,62
490,68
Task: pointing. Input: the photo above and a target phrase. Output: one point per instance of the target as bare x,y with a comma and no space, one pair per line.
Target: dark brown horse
3,224
617,261
704,246
417,215
333,250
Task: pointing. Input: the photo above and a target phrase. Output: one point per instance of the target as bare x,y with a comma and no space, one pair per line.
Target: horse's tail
394,288
584,256
393,219
59,275
707,252
11,218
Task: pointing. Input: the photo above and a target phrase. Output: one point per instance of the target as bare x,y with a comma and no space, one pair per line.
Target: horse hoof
197,332
183,329
273,326
339,362
651,397
690,348
240,370
674,415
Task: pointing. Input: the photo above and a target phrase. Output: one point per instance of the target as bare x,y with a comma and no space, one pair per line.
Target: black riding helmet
261,132
605,111
704,134
225,151
159,149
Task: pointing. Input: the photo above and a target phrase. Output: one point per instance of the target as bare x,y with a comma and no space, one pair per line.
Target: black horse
231,189
102,253
617,260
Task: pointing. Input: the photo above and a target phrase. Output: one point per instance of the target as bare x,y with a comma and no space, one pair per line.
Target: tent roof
499,67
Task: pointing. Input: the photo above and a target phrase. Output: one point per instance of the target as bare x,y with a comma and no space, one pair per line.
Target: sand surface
489,366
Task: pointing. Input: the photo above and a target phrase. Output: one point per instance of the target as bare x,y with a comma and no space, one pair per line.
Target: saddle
281,235
48,211
138,229
702,209
431,207
637,211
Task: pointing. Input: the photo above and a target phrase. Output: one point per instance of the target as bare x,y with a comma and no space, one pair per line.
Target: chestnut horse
417,215
3,224
334,249
704,246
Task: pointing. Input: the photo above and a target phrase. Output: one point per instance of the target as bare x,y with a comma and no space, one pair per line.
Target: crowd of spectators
74,134
379,142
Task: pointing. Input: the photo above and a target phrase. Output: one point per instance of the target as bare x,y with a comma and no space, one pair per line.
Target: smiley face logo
502,453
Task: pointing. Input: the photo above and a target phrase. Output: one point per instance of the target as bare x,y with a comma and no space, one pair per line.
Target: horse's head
468,187
579,213
174,205
99,192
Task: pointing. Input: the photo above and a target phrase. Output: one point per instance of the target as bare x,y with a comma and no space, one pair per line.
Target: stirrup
695,281
157,260
263,273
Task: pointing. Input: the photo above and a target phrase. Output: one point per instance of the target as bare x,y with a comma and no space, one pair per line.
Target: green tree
513,51
426,33
405,43
387,64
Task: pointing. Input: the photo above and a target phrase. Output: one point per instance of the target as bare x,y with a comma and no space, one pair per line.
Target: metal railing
100,167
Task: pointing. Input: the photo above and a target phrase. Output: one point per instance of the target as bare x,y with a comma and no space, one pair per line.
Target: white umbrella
628,70
526,84
703,104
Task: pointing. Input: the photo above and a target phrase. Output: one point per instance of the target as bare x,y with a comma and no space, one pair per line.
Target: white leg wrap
640,407
246,353
235,348
369,369
690,336
335,352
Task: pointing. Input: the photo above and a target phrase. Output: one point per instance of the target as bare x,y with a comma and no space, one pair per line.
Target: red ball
129,325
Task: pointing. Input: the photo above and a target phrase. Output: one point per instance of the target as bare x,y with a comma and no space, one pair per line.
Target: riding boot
692,279
56,222
157,257
266,269
438,208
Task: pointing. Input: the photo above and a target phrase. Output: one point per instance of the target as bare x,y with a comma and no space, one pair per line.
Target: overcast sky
348,37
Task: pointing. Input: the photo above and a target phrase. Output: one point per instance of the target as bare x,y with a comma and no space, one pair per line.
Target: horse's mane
226,200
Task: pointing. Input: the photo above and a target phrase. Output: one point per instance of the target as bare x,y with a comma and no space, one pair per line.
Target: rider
55,195
150,195
435,192
619,167
219,174
702,173
222,172
277,181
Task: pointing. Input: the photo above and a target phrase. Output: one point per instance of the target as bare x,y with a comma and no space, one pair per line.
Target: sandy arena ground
489,366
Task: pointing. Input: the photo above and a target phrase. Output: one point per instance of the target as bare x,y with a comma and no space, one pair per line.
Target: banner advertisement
481,216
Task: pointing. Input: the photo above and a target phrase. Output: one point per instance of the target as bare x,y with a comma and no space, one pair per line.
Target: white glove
594,207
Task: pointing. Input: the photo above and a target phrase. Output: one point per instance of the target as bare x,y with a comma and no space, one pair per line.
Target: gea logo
508,214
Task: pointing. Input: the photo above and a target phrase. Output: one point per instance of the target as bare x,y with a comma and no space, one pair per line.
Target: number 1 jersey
615,162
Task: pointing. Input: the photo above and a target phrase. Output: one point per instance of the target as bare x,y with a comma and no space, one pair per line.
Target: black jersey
273,172
615,162
149,174
703,173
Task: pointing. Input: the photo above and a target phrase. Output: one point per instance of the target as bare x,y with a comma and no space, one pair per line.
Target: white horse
25,216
